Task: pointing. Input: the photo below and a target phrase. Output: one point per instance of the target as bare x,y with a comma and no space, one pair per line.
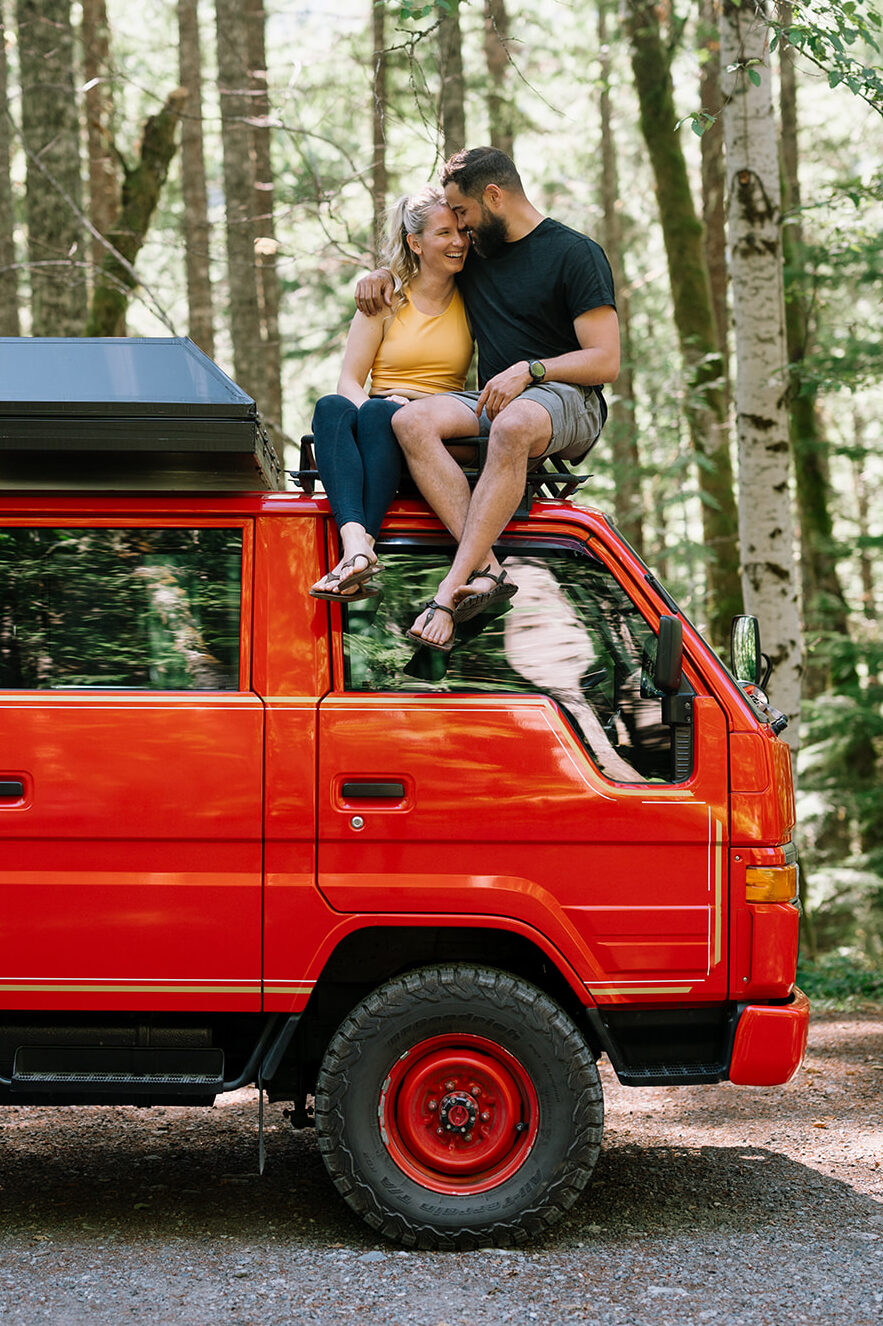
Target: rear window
148,609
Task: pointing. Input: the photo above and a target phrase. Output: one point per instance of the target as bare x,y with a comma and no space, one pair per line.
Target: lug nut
432,1105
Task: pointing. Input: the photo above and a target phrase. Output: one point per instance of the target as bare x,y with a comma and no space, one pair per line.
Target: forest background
222,169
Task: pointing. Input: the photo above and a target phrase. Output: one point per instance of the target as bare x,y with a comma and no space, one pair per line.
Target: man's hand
501,390
374,292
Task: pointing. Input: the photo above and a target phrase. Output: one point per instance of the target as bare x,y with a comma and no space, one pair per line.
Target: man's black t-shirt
523,301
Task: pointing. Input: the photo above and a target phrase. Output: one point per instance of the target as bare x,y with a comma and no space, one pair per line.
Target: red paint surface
179,851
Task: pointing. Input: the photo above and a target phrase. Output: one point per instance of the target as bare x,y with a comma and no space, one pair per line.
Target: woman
422,346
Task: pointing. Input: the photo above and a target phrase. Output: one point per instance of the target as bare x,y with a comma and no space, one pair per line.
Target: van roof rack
126,412
549,478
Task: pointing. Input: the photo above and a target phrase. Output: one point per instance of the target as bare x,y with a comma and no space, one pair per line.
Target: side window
570,632
151,609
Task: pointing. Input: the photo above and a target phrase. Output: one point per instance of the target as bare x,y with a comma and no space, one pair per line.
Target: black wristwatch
537,370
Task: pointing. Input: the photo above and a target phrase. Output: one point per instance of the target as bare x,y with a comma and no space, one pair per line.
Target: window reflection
154,609
570,633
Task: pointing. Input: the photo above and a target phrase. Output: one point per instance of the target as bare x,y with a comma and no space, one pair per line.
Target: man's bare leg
520,433
421,430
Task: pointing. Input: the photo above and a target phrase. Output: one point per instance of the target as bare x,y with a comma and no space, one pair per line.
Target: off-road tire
436,1005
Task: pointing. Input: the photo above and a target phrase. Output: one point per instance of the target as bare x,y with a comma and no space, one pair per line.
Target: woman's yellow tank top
424,352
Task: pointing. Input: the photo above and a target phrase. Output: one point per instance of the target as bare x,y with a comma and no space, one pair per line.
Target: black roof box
126,413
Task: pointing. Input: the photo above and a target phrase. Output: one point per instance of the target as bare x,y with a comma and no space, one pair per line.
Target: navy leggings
358,458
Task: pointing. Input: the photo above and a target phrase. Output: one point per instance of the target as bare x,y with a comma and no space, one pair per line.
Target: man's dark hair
474,168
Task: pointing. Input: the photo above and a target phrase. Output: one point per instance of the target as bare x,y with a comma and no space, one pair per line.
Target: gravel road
708,1205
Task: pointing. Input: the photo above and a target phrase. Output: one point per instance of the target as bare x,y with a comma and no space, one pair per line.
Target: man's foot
481,590
434,627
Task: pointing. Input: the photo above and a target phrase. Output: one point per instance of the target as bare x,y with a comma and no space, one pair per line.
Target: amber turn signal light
770,883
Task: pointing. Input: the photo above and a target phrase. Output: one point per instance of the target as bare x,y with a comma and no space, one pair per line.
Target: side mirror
745,655
669,656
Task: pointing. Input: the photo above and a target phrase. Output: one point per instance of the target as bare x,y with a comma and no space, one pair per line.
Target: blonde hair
409,215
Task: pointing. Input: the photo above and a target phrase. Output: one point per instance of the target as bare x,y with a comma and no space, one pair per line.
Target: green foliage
840,979
836,35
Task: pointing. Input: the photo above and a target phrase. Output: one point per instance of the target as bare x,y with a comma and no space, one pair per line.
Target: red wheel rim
458,1114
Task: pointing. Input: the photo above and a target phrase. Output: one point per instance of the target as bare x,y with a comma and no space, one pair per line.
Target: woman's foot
348,577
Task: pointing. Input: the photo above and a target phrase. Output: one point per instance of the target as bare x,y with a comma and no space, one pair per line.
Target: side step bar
117,1070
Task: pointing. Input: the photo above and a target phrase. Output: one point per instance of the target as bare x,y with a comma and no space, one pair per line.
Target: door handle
381,791
12,787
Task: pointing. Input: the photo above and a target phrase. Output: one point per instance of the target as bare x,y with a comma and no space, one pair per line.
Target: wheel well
375,954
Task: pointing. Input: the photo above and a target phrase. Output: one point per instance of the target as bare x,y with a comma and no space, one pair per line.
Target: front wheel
459,1106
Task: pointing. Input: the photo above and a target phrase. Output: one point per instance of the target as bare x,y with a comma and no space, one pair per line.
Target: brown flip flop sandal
335,596
431,609
470,605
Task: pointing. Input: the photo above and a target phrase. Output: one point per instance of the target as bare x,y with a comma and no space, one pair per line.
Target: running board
117,1070
671,1075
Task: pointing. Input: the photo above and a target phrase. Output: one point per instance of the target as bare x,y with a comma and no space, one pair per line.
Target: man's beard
490,237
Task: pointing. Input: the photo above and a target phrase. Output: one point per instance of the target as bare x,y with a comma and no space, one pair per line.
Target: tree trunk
825,611
10,324
239,193
50,131
103,186
620,429
859,481
694,317
266,245
766,529
500,109
142,185
197,242
379,180
714,184
452,91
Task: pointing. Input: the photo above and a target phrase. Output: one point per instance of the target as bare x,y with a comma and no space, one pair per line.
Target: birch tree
754,227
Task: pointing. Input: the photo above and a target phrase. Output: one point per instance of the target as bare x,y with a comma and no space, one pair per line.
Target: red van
248,836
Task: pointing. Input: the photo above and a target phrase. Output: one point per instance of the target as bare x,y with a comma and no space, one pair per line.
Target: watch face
537,370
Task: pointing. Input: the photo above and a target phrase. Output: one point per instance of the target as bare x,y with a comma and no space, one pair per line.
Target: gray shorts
575,413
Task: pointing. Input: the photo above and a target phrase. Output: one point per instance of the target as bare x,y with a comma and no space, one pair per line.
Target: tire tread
432,986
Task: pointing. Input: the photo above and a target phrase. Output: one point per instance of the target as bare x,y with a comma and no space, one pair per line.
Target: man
540,300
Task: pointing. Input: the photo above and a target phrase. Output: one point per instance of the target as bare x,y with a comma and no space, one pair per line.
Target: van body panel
291,635
523,825
131,873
